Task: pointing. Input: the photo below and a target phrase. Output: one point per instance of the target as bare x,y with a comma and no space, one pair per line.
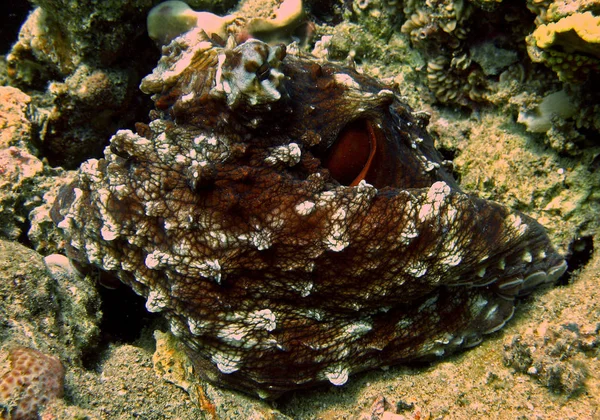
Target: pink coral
32,380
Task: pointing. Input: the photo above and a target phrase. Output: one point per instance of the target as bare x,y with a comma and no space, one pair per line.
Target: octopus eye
351,155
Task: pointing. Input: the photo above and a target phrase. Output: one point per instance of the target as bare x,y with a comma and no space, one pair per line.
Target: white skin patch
358,329
197,327
156,259
435,198
226,363
305,208
542,255
404,323
338,376
409,232
261,239
516,223
452,260
177,328
237,83
210,269
336,240
491,312
156,301
263,319
428,304
336,244
109,232
479,304
417,269
233,334
288,154
345,80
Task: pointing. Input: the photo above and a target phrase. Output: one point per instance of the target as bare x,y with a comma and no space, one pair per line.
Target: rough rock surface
45,304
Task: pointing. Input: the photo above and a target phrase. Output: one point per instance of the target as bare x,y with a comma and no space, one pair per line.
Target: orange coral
33,379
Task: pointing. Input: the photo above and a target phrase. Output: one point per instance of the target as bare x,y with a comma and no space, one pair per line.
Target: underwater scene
300,209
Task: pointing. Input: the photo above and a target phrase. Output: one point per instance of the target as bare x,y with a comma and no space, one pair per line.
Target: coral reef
475,66
81,110
170,19
494,162
15,124
77,73
570,46
26,179
554,105
373,16
247,213
19,166
28,381
440,32
18,171
65,34
123,385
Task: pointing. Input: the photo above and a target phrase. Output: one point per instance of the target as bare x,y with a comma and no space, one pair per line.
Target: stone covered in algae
498,161
45,303
74,60
18,164
172,364
26,177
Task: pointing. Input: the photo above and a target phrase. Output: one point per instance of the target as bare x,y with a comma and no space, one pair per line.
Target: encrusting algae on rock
294,223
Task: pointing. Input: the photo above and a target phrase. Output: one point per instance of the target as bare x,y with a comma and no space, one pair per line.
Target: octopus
293,222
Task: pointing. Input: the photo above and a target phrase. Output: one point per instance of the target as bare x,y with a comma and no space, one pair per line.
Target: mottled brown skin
275,275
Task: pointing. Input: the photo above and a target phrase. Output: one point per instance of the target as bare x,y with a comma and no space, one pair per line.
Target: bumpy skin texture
275,275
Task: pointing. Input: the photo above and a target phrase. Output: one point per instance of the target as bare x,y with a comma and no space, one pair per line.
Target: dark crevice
124,316
449,154
23,238
16,12
580,253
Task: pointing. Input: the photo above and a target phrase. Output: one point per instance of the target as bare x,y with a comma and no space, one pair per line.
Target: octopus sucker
294,222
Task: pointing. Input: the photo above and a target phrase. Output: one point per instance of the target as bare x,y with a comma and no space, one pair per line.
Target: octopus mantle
294,223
